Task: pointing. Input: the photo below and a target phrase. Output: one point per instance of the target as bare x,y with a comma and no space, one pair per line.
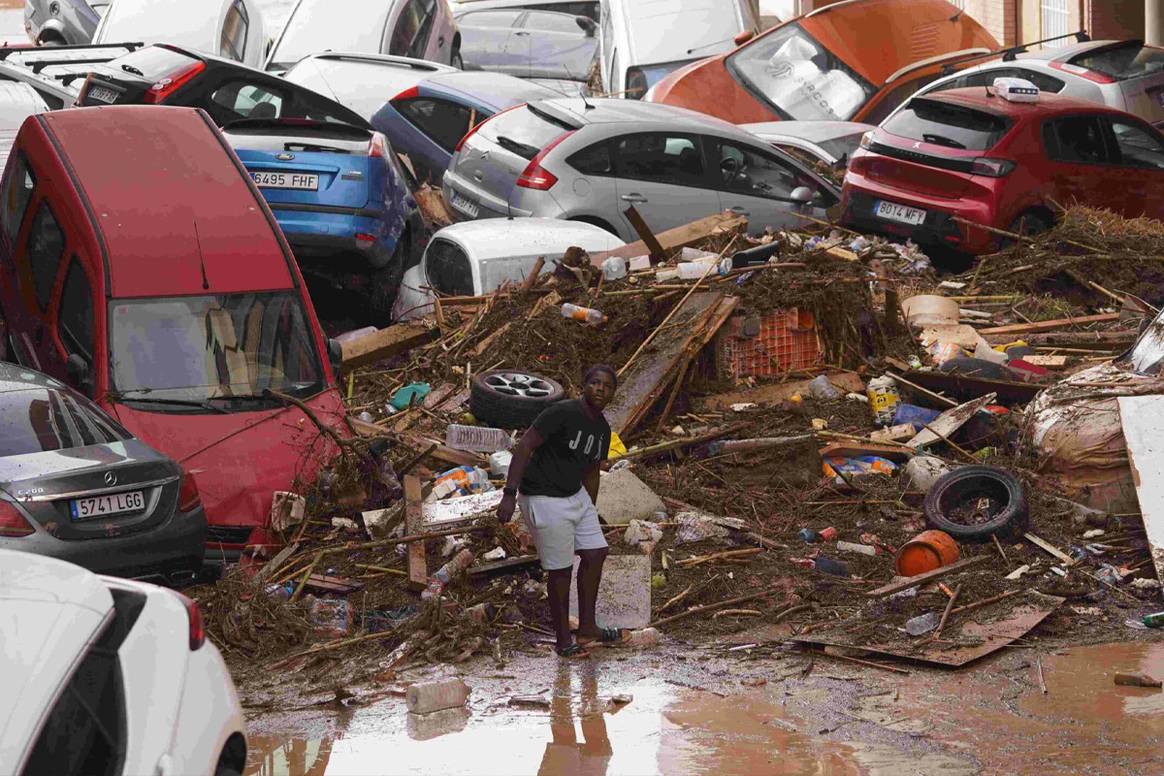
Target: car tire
386,283
508,398
593,221
953,492
1027,224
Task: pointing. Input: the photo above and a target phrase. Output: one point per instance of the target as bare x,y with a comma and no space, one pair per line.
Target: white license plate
115,503
286,180
891,211
102,94
465,206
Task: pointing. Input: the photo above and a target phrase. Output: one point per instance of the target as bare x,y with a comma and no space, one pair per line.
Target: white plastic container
499,463
614,268
694,270
427,697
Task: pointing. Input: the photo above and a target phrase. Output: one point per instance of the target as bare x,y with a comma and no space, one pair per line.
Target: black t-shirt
573,443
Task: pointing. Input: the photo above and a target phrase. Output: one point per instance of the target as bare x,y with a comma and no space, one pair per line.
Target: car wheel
974,503
1027,224
511,399
386,283
593,221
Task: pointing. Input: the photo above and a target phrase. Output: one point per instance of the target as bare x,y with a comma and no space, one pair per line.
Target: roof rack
5,51
1010,54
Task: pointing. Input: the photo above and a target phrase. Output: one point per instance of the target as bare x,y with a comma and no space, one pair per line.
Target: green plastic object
1154,620
404,397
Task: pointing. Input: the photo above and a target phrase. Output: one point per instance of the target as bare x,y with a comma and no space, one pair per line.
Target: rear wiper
941,140
521,149
309,148
206,405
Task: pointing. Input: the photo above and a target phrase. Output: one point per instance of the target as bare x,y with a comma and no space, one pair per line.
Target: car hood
240,459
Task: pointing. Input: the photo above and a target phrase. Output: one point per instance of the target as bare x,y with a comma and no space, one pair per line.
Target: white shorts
562,525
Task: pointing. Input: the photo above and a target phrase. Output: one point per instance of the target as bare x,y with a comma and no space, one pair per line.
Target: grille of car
227,534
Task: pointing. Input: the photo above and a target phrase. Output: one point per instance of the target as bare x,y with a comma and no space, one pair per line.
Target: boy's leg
558,587
589,576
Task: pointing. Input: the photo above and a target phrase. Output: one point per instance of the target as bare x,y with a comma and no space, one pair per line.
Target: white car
642,41
108,676
1122,74
475,257
17,102
226,28
831,142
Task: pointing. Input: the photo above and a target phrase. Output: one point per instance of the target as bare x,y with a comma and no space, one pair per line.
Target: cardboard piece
624,595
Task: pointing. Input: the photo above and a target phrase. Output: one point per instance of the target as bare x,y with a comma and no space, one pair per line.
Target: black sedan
76,485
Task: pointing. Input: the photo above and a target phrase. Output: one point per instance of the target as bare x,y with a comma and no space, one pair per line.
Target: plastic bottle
821,388
1155,620
583,314
437,582
463,480
614,268
427,697
643,637
811,536
883,399
694,270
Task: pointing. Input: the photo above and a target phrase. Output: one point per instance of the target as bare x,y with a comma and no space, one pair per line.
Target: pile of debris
792,453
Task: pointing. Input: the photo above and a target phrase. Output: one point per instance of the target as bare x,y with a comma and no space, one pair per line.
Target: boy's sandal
608,637
572,651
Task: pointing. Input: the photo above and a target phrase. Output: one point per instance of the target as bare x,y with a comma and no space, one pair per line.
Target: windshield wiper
205,404
524,150
942,140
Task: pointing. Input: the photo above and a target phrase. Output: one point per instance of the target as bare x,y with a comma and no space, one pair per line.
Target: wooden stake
413,523
721,605
650,338
946,614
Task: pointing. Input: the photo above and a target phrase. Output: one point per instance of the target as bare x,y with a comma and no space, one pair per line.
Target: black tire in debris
996,495
511,399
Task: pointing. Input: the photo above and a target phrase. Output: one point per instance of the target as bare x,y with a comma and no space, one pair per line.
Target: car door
74,330
18,205
597,186
664,176
1081,170
39,264
486,38
756,183
408,34
1141,160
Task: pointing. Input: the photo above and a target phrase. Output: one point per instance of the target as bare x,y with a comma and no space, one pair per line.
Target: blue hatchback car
340,197
427,121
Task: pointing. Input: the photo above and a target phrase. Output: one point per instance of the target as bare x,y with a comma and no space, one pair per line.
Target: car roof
1048,103
812,131
51,610
361,82
495,238
178,21
18,101
14,377
173,195
1065,53
651,29
610,110
495,90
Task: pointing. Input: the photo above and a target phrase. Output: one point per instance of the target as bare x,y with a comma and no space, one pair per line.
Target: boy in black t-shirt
555,465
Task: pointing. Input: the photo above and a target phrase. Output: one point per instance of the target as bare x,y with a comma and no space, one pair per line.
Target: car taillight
867,140
12,523
534,176
188,497
172,83
194,618
410,93
378,147
1083,72
993,168
473,129
365,241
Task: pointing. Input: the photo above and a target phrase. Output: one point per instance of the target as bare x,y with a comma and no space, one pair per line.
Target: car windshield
193,349
841,147
524,131
953,126
329,25
1124,62
35,419
799,77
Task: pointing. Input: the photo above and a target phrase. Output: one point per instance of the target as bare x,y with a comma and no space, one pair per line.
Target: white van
642,41
226,28
475,257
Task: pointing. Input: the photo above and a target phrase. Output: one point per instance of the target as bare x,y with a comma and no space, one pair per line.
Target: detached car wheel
976,502
511,399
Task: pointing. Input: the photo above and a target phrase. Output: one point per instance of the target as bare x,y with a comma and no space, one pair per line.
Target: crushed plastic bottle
437,582
923,623
583,314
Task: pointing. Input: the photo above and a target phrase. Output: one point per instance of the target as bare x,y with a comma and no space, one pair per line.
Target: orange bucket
927,551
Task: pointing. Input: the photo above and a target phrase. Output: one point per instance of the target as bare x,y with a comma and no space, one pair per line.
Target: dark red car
140,264
1007,158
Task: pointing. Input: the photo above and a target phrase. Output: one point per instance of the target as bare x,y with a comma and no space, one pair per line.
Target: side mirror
335,355
743,37
802,194
77,373
587,24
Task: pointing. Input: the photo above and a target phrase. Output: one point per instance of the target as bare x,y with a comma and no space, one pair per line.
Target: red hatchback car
139,263
1006,157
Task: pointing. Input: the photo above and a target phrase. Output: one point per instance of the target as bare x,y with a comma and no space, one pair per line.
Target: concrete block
623,497
624,595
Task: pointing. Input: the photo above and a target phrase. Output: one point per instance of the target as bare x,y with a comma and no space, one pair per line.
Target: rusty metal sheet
993,636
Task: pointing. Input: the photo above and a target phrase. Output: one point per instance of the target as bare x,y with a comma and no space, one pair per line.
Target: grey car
589,160
76,485
62,22
528,43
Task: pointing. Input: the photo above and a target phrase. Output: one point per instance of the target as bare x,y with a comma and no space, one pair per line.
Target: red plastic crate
787,341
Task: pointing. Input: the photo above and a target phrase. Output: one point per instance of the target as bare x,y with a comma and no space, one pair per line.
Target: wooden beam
645,234
384,344
414,524
1058,323
921,579
1049,548
679,237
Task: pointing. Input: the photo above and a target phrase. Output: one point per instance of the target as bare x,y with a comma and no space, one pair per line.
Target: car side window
236,100
448,269
897,95
1138,147
746,171
551,22
410,36
595,160
234,32
17,193
46,245
1075,139
443,121
661,156
500,18
75,316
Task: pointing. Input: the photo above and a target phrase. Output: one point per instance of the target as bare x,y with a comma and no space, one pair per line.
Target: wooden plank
1143,424
644,232
443,452
968,387
384,344
921,579
1058,323
1049,548
679,237
1047,362
507,565
414,524
950,421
